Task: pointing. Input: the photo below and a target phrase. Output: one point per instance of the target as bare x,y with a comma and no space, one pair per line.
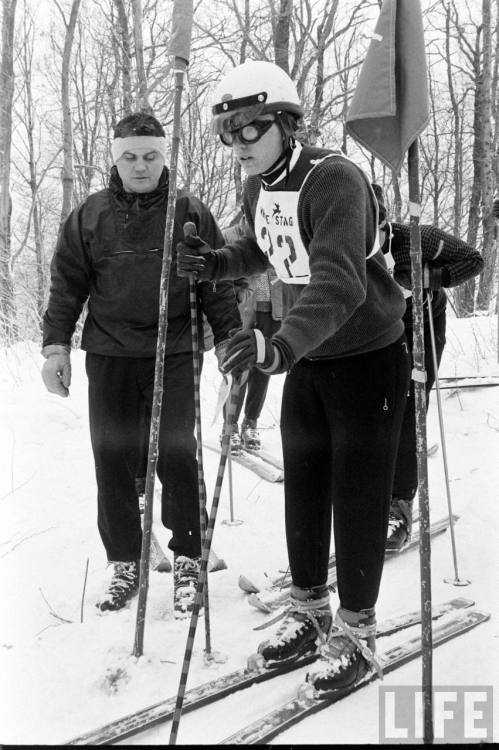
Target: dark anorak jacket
109,254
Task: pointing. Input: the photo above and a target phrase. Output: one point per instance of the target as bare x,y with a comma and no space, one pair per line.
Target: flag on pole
389,108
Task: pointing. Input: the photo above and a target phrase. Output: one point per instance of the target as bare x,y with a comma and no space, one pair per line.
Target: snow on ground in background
60,677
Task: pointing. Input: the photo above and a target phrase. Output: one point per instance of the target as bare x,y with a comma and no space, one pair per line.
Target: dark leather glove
194,256
435,278
249,348
221,353
56,371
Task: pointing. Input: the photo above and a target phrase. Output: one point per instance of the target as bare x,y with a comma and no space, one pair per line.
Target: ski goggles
246,134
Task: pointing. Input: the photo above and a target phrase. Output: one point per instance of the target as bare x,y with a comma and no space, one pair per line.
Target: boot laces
341,643
186,570
124,577
297,621
394,522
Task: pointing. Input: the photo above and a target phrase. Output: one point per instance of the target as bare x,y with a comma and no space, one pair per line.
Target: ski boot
347,653
249,435
185,584
124,584
399,524
306,621
235,441
140,489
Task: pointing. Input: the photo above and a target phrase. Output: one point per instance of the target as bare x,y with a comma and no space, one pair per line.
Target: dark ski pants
118,389
256,386
340,425
405,482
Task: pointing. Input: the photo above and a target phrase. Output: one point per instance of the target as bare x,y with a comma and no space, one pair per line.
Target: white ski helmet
251,89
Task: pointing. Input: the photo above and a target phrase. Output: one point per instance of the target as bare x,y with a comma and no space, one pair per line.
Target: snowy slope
60,676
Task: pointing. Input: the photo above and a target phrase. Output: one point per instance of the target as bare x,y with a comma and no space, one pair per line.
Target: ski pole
231,521
419,377
179,49
457,581
229,419
189,229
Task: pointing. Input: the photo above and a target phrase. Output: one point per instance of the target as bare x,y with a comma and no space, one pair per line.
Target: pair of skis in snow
158,560
270,467
277,595
264,464
456,617
260,462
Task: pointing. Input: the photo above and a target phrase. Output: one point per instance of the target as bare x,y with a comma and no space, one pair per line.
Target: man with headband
109,254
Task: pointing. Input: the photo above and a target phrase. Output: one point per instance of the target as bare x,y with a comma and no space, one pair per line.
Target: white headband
142,142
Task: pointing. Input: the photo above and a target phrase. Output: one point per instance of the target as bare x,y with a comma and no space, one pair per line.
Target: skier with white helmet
312,215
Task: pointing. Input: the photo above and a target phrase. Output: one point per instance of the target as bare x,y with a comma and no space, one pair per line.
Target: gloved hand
194,256
220,352
433,278
56,371
249,348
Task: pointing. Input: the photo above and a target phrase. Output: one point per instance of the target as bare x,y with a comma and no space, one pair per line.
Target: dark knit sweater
350,305
450,260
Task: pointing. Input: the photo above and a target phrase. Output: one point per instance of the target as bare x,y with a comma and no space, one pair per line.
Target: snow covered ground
65,668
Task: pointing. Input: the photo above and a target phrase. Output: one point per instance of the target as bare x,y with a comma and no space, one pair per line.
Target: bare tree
486,168
124,56
8,326
142,94
67,126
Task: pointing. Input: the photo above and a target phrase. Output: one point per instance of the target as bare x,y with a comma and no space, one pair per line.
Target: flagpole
419,377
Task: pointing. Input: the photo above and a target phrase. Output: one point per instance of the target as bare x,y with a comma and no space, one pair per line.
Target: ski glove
56,371
249,348
220,352
435,278
194,256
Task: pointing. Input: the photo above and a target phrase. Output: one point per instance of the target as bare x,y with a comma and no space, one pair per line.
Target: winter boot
235,441
347,654
399,524
140,489
305,622
140,485
250,435
123,586
185,584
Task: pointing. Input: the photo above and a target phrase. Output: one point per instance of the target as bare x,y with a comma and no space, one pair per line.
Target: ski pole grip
180,40
190,229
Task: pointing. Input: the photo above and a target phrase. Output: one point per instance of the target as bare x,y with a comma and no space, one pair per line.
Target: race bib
278,235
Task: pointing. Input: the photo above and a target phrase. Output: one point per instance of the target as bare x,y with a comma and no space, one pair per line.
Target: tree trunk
125,57
8,324
323,33
281,34
142,99
33,183
67,136
489,250
465,296
457,169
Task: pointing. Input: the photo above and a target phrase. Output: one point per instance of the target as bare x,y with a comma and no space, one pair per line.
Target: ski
432,450
284,579
161,564
280,594
158,560
252,462
305,703
474,381
269,458
254,673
